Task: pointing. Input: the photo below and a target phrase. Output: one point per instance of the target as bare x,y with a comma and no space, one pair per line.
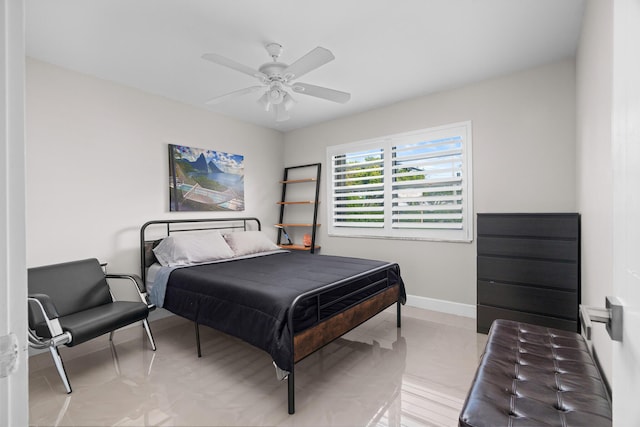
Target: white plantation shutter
427,184
358,189
415,185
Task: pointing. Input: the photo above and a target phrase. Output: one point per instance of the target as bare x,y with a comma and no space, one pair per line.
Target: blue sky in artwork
229,163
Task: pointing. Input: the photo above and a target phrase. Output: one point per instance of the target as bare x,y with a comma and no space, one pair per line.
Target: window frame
387,144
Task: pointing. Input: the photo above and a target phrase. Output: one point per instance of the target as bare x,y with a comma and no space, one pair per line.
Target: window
414,185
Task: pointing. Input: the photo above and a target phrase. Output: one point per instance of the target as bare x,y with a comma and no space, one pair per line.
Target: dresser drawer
548,274
529,299
486,315
557,250
549,226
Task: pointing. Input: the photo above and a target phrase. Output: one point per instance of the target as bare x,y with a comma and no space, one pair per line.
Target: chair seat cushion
91,323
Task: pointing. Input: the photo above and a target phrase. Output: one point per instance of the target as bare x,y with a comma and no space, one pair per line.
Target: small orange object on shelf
306,240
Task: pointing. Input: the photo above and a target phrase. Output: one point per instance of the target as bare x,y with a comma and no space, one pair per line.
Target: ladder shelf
312,177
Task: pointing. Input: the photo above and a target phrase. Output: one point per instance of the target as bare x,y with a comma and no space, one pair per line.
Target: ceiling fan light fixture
280,108
288,102
281,113
276,95
264,101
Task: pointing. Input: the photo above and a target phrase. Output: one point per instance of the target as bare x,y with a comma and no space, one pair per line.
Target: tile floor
376,375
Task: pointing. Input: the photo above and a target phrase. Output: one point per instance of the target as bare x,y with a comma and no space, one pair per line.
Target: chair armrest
46,311
137,281
47,308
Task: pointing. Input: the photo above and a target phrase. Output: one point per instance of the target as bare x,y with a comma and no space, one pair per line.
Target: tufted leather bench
535,376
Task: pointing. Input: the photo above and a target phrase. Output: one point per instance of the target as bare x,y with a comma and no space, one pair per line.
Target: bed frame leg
291,392
399,321
198,339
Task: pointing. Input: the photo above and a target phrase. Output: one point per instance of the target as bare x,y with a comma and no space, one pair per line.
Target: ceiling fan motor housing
273,70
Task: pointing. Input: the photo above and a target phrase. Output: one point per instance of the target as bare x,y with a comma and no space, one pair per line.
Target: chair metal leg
60,367
111,335
145,323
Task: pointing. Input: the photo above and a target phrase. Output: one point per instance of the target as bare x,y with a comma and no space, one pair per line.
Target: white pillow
249,242
192,248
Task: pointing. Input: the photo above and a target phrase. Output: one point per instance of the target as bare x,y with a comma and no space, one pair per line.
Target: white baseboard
449,307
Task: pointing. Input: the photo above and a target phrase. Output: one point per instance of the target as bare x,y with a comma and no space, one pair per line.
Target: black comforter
251,298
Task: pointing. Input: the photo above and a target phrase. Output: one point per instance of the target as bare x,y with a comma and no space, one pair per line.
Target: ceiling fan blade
321,92
221,98
222,60
309,62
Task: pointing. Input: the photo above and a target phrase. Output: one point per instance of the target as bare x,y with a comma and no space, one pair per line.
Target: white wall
523,161
594,68
97,164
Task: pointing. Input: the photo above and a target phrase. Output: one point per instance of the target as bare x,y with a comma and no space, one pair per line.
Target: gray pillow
249,242
192,248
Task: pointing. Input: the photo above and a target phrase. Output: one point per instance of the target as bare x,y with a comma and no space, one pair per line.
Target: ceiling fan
277,77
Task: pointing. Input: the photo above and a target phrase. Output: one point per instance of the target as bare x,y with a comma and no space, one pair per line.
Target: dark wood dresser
529,269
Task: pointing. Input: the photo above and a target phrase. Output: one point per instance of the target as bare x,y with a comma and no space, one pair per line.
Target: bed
287,303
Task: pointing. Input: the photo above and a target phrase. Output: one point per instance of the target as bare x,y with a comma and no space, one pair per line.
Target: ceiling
385,51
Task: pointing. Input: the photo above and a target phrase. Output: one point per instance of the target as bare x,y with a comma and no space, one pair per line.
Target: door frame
626,207
14,393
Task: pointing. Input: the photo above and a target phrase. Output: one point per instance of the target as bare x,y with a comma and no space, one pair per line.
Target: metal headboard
165,227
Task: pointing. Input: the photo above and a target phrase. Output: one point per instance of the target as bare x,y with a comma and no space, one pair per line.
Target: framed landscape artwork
205,180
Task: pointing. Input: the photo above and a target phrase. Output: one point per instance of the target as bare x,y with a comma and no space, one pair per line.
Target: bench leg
60,367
